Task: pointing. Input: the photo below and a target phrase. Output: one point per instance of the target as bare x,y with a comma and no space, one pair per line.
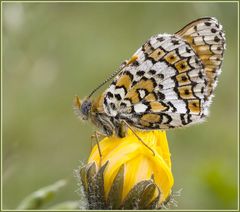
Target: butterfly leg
96,136
139,137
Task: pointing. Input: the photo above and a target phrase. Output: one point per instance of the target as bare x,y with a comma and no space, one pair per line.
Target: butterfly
167,83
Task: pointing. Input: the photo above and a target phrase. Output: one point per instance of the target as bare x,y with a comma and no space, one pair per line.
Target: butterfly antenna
123,65
105,81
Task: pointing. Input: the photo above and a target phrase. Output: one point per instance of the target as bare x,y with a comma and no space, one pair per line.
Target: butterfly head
82,108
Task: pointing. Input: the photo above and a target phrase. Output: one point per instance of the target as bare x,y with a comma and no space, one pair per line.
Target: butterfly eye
85,108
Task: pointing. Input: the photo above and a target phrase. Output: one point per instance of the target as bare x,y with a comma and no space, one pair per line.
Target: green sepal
134,195
83,178
99,189
91,181
146,196
115,193
154,203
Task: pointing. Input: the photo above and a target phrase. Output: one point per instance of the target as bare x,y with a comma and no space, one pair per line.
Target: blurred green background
52,51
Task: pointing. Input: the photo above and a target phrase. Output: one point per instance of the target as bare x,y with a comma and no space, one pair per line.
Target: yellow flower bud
128,175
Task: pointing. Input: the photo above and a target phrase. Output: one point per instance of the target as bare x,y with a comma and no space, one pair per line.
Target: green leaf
67,205
42,196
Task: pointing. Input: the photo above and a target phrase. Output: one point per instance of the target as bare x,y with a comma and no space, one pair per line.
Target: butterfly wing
207,38
167,86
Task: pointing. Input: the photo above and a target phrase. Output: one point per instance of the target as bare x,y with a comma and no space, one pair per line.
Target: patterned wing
167,86
207,38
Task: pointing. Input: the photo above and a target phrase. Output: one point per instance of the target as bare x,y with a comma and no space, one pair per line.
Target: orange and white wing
170,84
207,38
